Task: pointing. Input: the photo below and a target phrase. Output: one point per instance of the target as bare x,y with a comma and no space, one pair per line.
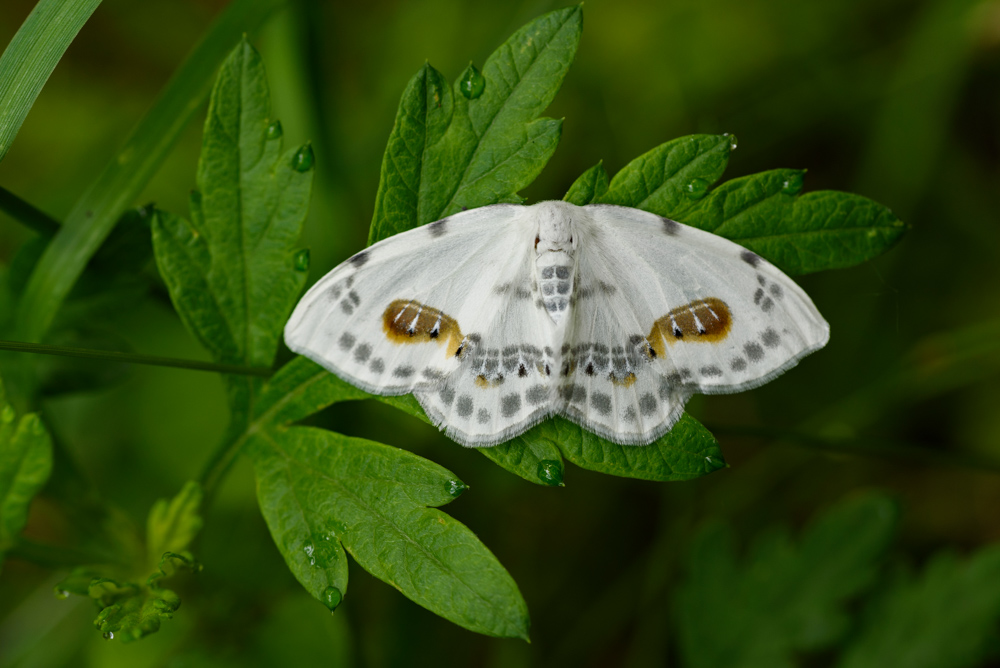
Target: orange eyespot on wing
406,321
702,321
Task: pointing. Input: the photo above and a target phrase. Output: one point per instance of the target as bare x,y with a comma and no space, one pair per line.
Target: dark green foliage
785,596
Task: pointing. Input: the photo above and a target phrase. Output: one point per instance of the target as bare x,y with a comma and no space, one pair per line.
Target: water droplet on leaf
332,598
732,140
792,184
303,160
61,594
455,487
274,130
472,83
108,635
550,472
696,189
309,549
302,260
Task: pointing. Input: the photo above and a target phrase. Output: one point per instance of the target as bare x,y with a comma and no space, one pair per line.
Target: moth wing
687,311
506,378
392,318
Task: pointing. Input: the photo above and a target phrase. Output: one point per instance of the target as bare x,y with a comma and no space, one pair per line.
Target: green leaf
173,524
783,597
233,271
31,56
319,490
685,452
447,153
660,181
817,231
128,172
946,618
25,465
589,186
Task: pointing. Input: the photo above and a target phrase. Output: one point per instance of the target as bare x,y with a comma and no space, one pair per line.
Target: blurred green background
895,100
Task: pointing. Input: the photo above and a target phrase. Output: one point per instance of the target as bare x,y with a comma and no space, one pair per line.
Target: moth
500,317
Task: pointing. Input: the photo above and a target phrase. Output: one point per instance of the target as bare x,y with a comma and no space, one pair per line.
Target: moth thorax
555,284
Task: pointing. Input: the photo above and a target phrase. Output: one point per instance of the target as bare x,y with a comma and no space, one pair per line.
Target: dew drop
310,549
303,160
332,598
274,130
472,83
302,260
732,140
792,184
696,189
108,635
61,594
455,488
550,472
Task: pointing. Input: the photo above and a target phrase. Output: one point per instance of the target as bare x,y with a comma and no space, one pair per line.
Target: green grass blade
100,207
31,56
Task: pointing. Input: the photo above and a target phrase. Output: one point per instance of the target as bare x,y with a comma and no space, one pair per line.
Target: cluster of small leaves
130,600
785,599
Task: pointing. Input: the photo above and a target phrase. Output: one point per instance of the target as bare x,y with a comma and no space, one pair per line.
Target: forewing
682,311
393,318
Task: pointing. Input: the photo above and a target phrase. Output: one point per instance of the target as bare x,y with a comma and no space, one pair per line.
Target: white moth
500,317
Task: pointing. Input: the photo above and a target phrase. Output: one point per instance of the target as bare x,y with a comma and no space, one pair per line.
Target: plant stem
133,358
25,213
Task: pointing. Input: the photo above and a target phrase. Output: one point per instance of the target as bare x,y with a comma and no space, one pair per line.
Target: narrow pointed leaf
232,271
447,152
31,56
589,186
800,234
659,180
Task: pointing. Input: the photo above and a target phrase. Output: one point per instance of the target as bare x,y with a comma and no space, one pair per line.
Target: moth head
555,226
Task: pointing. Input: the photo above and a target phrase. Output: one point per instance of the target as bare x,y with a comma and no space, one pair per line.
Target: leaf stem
28,215
133,358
